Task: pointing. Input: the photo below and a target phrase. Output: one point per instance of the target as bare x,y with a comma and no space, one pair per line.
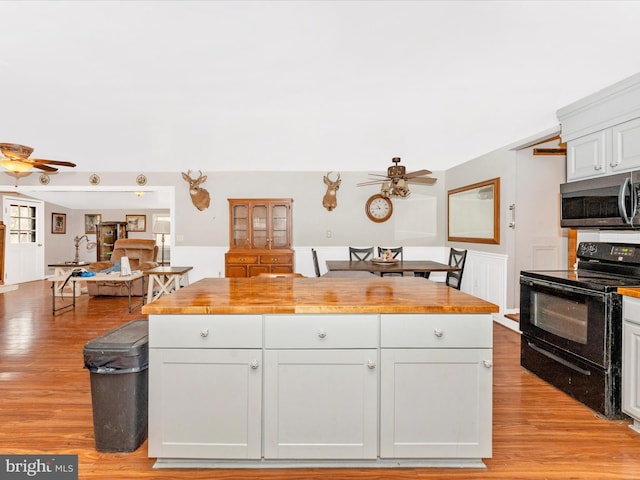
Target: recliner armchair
142,254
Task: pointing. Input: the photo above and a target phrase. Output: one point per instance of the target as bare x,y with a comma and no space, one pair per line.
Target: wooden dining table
422,268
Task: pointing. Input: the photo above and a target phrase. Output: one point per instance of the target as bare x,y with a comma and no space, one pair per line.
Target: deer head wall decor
330,200
199,196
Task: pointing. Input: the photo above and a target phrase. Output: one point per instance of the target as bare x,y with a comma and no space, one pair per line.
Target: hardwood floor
539,432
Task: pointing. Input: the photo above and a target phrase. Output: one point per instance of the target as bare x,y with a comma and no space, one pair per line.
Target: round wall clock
379,208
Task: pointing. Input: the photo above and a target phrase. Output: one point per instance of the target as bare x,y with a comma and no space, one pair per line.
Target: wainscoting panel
485,276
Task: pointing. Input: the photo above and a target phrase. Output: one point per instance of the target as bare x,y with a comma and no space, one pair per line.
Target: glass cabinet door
280,226
259,226
240,225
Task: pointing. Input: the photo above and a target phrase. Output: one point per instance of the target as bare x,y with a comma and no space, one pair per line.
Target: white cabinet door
320,404
626,146
631,358
435,403
587,156
630,362
205,403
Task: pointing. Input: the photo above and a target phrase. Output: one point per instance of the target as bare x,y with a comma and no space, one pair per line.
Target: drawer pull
204,333
487,363
438,332
322,333
371,364
254,364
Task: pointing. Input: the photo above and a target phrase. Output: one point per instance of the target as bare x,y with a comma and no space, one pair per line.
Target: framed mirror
474,213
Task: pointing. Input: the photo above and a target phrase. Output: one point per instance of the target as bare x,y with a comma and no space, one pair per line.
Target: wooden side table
166,280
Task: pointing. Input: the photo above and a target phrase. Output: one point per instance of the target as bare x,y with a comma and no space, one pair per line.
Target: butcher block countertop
630,292
317,295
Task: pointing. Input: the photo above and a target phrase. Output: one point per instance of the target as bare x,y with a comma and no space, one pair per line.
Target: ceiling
299,85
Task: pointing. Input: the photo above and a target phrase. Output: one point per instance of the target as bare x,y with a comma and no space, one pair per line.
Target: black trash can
118,362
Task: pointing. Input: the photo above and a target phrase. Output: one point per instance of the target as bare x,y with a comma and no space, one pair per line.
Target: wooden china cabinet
260,237
106,235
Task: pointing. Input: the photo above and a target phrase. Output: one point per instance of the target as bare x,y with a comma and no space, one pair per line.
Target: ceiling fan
17,162
396,182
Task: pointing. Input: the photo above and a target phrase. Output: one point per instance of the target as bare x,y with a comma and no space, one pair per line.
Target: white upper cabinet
625,139
587,156
602,131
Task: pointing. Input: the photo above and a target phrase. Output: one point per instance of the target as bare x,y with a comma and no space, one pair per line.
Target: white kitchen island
299,372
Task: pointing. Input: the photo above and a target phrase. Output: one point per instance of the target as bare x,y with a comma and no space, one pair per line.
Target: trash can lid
124,347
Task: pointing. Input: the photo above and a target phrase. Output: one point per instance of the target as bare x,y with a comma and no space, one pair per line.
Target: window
22,224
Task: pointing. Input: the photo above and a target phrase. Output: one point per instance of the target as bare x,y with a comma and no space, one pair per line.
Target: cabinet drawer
436,331
237,258
321,331
205,331
271,259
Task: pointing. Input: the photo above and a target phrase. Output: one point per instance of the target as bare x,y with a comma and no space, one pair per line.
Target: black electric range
571,322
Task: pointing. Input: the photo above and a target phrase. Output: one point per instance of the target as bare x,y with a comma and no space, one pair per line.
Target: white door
539,243
24,221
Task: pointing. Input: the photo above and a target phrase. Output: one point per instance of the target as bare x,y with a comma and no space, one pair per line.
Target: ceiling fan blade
423,181
417,173
14,151
373,182
44,167
52,162
377,175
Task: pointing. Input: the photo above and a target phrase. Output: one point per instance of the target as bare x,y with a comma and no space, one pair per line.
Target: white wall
416,220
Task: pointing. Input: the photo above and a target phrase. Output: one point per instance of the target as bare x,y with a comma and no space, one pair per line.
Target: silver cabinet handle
254,364
322,333
371,364
597,167
487,363
438,332
204,333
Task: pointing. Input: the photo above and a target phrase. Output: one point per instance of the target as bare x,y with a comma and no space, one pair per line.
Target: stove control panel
609,252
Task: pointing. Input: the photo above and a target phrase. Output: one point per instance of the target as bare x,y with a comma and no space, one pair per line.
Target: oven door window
574,320
562,317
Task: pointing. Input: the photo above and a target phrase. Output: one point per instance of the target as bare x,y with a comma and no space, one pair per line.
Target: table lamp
162,227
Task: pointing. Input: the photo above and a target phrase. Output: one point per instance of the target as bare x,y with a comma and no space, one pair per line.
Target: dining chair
360,254
316,266
280,275
457,258
395,253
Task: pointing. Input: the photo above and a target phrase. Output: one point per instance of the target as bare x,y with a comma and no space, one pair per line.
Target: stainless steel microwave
609,202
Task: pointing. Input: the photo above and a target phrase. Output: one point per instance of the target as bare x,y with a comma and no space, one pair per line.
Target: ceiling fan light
16,166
